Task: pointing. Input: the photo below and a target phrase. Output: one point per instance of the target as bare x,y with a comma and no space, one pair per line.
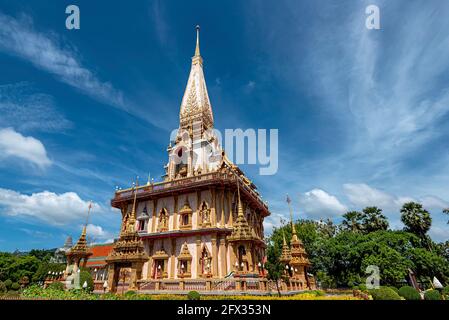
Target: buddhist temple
203,223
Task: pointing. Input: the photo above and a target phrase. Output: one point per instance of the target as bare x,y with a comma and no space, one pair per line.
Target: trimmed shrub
56,286
13,293
15,286
2,288
409,293
445,292
362,287
109,296
394,289
432,295
384,293
8,283
86,277
130,293
193,295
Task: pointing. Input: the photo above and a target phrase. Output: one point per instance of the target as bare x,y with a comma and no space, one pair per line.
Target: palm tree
416,219
373,220
352,221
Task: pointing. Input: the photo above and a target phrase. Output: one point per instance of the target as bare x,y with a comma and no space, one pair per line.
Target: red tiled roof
99,254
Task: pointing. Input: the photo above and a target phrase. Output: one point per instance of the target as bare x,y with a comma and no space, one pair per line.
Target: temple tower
128,252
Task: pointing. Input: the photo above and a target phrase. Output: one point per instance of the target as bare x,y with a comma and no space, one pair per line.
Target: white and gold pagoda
203,224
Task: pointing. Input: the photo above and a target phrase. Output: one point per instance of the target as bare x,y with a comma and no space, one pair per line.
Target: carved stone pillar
223,254
198,209
222,219
172,259
198,255
249,251
150,260
175,213
231,218
214,256
113,275
153,220
213,210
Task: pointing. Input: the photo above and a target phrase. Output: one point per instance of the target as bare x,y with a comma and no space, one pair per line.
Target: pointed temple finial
87,218
133,212
283,236
197,49
294,236
240,208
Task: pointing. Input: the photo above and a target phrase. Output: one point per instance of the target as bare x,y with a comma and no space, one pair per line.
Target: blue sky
362,114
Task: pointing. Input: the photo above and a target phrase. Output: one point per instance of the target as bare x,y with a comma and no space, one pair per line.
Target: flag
288,199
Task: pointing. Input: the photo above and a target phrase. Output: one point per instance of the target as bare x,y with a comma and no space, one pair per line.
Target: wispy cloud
19,37
25,109
14,144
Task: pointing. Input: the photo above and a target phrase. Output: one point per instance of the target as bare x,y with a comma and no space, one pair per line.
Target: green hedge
86,277
56,286
445,292
432,295
384,293
409,293
2,288
193,295
15,286
8,283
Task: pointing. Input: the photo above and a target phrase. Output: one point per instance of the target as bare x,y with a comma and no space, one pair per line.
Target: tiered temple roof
129,247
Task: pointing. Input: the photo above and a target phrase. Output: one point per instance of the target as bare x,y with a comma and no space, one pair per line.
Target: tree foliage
416,219
339,258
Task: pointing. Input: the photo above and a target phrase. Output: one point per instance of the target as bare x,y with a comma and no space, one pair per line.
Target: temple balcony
189,184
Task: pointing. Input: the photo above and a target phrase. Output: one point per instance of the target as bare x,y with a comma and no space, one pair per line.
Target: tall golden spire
294,236
240,208
195,104
197,49
87,219
132,217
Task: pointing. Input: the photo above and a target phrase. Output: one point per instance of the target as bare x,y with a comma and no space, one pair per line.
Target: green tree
274,266
373,220
352,221
416,219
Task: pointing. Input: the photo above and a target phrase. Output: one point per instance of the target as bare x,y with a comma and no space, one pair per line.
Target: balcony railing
174,184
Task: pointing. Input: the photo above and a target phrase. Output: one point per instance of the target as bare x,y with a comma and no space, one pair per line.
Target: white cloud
13,144
362,195
97,232
273,220
18,37
318,203
55,209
